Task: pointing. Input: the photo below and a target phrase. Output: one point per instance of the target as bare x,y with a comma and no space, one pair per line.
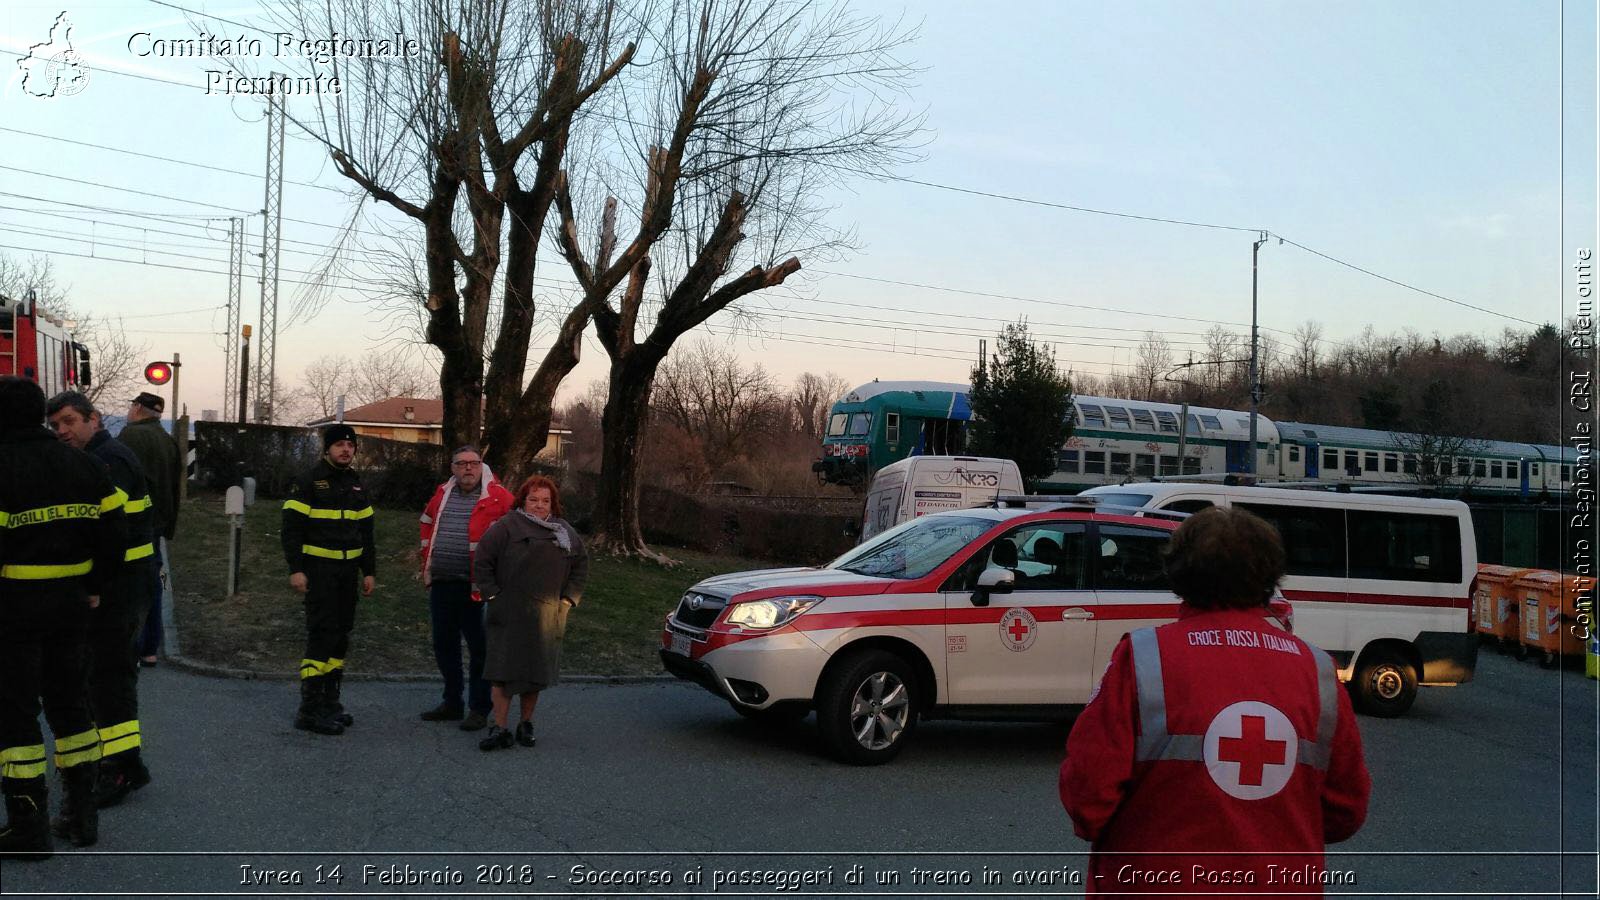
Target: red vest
1210,739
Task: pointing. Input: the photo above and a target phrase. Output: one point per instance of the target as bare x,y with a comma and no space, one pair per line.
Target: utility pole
244,377
1255,371
271,242
230,363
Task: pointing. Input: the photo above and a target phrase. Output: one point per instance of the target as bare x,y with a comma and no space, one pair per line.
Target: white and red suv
983,613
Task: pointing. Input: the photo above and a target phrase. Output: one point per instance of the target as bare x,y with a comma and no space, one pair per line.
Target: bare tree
382,375
1154,361
706,390
1306,353
466,139
1222,352
811,398
752,108
324,381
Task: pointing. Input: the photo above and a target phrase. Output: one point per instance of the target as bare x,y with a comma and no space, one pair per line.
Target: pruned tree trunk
617,529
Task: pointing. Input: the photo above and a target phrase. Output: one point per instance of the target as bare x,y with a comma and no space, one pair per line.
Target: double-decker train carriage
39,346
1115,440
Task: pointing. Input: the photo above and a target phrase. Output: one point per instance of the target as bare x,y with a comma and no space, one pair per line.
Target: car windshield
913,549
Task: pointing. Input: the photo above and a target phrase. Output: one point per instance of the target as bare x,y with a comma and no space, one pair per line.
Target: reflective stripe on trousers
1155,743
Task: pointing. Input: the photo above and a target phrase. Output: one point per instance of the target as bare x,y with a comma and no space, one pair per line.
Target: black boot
120,775
80,814
314,714
335,681
27,831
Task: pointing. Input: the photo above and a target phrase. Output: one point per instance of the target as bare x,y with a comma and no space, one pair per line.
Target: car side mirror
993,581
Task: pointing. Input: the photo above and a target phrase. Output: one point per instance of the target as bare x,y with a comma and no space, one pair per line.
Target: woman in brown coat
530,568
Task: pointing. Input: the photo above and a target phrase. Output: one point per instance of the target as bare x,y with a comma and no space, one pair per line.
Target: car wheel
1385,684
781,713
867,707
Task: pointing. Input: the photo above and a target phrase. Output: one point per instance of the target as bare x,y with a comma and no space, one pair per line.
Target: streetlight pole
1255,371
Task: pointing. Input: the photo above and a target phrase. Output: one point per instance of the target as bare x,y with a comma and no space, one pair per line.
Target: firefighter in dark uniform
113,670
327,541
61,542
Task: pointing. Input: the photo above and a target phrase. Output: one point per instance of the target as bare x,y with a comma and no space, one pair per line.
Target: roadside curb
215,671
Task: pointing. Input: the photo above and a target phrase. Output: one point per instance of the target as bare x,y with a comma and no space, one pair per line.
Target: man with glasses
461,510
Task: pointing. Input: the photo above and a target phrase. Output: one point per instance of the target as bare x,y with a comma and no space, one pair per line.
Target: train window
1143,419
1167,421
1494,469
1272,456
1067,461
1391,462
1533,469
1211,422
860,424
836,423
1119,463
891,427
1313,537
1463,467
1566,473
1191,465
1294,453
1072,416
1369,461
1093,416
1194,424
1352,462
1169,465
1480,468
1118,418
1404,546
1330,460
1144,465
1094,462
1408,464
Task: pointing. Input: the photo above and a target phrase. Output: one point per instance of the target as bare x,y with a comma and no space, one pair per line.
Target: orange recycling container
1495,604
1549,608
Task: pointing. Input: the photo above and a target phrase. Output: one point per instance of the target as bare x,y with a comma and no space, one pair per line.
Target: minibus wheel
1385,683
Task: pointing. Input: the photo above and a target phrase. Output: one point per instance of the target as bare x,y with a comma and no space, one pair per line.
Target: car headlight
769,613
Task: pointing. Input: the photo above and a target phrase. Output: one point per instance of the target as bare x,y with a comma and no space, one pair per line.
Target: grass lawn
615,632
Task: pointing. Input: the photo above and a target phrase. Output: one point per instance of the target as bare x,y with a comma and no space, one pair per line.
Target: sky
1449,146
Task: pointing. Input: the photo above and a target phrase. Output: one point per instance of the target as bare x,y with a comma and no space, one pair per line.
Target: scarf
555,527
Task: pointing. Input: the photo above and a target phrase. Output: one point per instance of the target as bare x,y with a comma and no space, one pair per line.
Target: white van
919,485
1381,582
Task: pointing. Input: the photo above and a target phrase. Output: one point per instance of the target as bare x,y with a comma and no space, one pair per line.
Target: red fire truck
37,345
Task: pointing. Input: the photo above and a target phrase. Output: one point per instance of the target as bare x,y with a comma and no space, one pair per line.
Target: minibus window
1397,546
1313,537
1188,506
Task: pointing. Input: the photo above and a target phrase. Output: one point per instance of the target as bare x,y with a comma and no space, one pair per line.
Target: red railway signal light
158,373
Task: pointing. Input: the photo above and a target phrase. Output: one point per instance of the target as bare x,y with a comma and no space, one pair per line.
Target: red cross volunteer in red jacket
461,510
1219,742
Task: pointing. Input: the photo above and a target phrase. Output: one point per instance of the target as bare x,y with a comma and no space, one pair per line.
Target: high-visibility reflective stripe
137,506
320,513
424,545
77,749
44,573
139,552
22,762
335,663
297,506
325,553
117,500
1155,743
46,514
119,738
472,546
363,513
312,668
427,519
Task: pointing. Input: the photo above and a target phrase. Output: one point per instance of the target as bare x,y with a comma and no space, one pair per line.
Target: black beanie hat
21,403
333,434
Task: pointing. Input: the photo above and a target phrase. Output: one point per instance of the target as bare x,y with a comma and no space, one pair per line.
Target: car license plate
680,643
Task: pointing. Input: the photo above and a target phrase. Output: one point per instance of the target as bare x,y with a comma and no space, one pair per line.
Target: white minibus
920,485
1381,582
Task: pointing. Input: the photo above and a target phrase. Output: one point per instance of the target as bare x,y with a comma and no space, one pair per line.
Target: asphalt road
1475,793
